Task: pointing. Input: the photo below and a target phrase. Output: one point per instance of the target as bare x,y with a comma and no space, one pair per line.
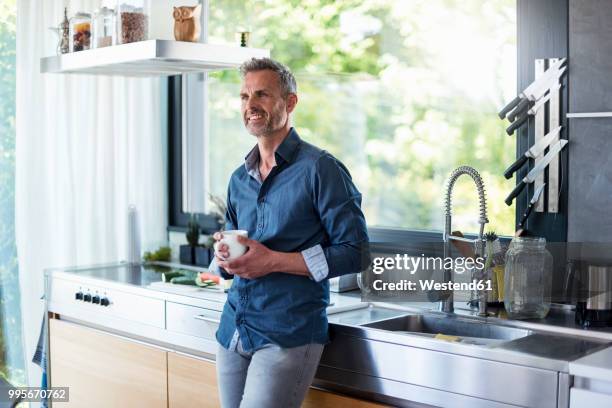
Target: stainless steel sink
362,315
452,326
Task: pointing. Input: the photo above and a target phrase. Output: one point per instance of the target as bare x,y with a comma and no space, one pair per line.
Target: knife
539,167
535,90
545,98
533,152
533,110
517,123
540,99
534,199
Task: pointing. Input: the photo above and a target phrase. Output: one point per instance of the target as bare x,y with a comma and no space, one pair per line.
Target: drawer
191,320
122,305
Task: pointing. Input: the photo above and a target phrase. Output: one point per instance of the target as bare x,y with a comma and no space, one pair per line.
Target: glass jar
528,279
80,32
132,20
103,27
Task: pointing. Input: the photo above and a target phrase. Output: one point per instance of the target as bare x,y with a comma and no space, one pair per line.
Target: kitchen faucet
446,305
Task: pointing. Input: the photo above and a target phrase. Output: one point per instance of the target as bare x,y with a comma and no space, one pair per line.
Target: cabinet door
104,370
322,399
191,382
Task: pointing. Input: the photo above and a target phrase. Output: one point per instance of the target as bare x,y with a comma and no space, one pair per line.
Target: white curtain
86,148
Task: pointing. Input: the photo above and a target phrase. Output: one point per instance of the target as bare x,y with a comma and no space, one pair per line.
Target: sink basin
451,326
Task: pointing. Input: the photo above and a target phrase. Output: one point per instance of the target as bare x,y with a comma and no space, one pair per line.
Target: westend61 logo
410,273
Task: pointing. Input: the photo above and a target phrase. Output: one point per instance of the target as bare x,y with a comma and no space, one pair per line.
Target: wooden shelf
151,58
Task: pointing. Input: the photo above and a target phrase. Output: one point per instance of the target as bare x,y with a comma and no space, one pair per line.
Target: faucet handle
463,239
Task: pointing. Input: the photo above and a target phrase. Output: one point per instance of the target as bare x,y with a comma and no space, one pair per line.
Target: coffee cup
234,248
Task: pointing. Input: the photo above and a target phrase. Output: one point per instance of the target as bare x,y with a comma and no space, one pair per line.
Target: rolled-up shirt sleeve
316,262
338,202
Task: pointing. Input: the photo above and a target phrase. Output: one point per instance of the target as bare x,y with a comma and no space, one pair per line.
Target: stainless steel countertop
557,341
560,320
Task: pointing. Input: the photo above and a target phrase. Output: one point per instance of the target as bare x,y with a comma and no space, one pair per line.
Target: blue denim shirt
308,204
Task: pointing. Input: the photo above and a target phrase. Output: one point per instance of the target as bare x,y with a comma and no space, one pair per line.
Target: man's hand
258,261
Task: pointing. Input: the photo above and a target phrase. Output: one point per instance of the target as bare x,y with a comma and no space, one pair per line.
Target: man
305,225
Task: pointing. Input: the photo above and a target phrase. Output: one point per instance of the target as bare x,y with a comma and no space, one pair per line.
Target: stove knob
87,298
78,296
95,299
104,301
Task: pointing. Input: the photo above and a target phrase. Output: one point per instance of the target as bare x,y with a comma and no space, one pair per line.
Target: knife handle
517,123
509,107
515,166
517,190
522,106
526,215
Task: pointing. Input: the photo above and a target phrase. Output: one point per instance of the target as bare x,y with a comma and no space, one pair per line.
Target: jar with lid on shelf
80,32
528,279
132,20
104,28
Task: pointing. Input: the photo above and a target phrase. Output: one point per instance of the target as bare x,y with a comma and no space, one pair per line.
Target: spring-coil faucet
446,305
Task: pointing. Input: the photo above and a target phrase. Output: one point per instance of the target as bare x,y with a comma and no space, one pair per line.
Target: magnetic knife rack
552,117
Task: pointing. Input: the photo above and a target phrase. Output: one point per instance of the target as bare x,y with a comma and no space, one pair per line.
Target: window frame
177,218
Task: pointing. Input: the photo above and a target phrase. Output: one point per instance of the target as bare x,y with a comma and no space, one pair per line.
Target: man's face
264,109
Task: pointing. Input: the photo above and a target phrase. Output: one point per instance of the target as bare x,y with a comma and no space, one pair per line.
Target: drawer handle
207,319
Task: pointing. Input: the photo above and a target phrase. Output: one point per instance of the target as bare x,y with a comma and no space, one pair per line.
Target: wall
590,157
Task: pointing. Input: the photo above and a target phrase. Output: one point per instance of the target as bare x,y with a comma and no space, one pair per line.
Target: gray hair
285,77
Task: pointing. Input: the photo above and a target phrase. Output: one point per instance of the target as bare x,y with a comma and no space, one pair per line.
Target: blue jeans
267,378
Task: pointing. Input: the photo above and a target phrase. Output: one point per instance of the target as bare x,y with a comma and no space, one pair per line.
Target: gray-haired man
303,216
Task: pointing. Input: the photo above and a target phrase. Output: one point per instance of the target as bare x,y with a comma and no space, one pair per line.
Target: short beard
270,126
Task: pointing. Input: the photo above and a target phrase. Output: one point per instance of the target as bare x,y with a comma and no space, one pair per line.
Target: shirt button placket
260,221
240,308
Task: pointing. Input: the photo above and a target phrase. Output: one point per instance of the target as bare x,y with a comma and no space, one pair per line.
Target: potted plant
204,253
219,210
187,252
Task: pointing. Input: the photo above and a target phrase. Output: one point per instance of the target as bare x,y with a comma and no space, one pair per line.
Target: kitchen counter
144,310
559,320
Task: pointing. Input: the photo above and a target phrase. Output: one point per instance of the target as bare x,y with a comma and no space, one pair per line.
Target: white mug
234,248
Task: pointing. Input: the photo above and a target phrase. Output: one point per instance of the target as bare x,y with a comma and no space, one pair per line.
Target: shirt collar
251,160
289,147
286,150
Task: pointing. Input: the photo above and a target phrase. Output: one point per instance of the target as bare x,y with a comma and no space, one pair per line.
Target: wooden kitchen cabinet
191,382
323,399
103,370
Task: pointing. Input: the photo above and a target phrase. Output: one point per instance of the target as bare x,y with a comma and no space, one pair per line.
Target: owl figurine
187,23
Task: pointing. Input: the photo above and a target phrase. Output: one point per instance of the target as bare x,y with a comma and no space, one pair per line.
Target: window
401,92
11,354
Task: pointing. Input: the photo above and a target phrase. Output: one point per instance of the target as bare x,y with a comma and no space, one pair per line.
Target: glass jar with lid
528,278
80,32
132,20
103,27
